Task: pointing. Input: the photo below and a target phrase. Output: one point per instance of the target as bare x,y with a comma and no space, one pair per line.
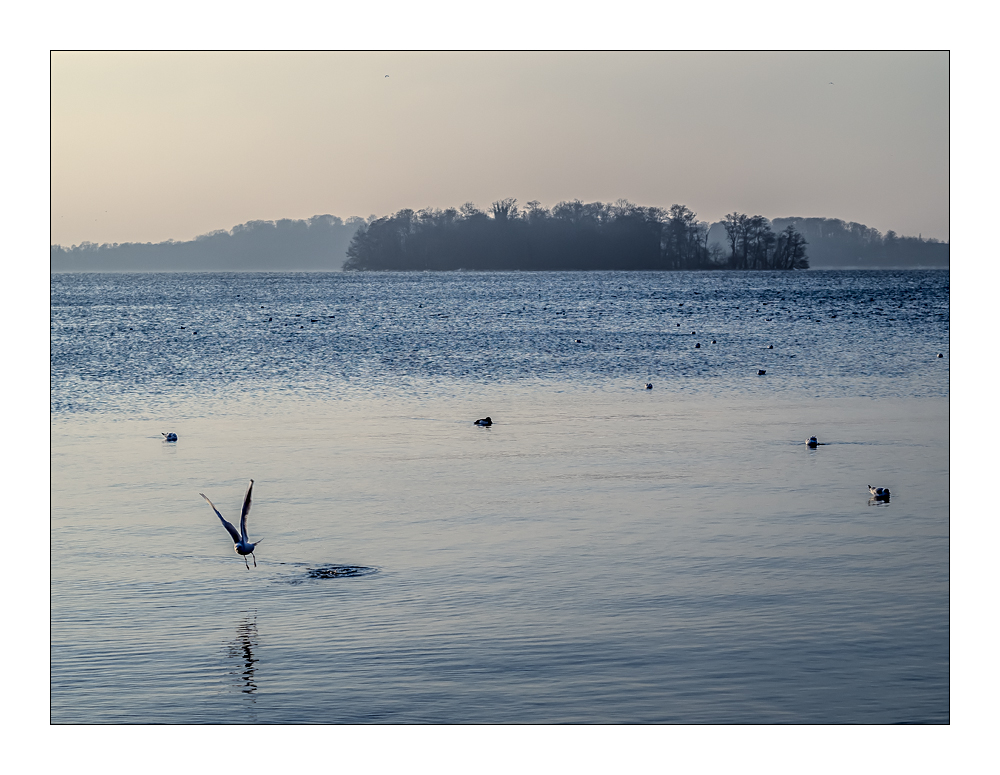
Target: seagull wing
246,510
226,525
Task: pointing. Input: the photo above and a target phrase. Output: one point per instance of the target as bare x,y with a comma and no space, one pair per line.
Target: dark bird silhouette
485,422
241,543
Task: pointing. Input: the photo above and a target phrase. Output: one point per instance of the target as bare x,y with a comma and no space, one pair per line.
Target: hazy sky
156,146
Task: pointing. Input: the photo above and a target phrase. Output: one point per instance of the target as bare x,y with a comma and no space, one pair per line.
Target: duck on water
880,493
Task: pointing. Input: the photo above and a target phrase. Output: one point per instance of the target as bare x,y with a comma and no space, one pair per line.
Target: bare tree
504,210
790,252
736,230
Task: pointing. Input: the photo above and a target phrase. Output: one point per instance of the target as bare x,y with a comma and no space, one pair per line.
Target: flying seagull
242,543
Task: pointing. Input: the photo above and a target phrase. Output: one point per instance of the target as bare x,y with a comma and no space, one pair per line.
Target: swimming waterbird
486,421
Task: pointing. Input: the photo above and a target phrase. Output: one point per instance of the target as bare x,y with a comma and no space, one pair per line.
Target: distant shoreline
498,271
323,243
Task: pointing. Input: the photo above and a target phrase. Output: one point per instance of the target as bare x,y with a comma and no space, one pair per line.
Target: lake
602,553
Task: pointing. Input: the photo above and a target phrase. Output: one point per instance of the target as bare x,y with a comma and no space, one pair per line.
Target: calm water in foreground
602,554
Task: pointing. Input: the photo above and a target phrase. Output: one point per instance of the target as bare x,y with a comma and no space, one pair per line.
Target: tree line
835,243
316,244
571,236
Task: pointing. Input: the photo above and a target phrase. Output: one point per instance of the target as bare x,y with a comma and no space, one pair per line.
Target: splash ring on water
330,571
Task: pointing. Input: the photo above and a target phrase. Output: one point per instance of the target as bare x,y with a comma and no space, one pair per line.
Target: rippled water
602,553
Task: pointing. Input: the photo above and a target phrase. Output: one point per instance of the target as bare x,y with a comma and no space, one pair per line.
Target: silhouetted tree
736,231
790,252
753,245
504,209
684,240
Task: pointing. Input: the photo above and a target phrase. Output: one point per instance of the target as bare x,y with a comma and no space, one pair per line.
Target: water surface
602,554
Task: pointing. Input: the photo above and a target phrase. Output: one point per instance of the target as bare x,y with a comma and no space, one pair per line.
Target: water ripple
143,340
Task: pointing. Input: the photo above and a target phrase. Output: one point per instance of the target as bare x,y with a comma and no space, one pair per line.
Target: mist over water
602,553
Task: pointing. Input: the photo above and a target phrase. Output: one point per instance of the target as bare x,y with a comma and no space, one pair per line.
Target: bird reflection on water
242,649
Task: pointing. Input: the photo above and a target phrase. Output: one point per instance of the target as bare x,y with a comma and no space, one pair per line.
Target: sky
150,146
